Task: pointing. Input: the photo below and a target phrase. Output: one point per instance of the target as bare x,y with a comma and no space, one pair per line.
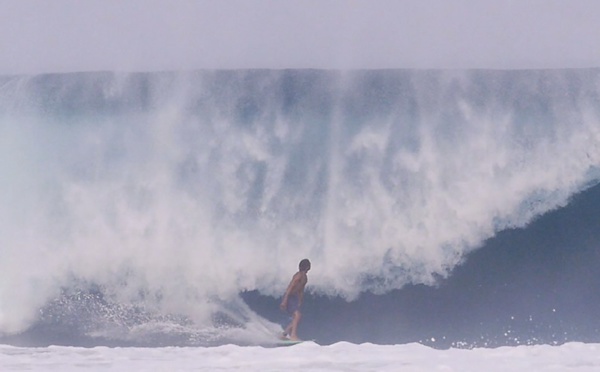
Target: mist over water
162,196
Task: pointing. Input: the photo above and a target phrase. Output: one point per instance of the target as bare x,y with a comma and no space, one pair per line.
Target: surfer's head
304,265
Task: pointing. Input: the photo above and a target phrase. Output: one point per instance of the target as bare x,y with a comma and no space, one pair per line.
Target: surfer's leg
287,331
293,327
293,309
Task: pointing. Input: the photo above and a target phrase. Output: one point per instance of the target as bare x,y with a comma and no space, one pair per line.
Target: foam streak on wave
178,190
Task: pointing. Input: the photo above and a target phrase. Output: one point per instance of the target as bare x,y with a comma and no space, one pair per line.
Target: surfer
292,299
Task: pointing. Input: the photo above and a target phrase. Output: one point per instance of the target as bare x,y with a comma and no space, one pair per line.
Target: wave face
156,198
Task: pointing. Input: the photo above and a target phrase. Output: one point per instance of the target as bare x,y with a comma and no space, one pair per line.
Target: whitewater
151,221
337,357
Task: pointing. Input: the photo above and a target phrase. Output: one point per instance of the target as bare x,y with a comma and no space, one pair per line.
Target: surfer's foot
294,338
284,336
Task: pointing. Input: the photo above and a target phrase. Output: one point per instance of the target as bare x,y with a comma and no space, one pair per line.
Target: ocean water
446,213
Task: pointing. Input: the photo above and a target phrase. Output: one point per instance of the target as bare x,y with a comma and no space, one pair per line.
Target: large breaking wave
161,196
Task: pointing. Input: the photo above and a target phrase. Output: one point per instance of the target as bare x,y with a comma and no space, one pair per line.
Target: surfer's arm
301,284
289,290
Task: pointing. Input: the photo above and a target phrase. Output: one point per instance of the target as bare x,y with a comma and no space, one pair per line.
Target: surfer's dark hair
304,265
